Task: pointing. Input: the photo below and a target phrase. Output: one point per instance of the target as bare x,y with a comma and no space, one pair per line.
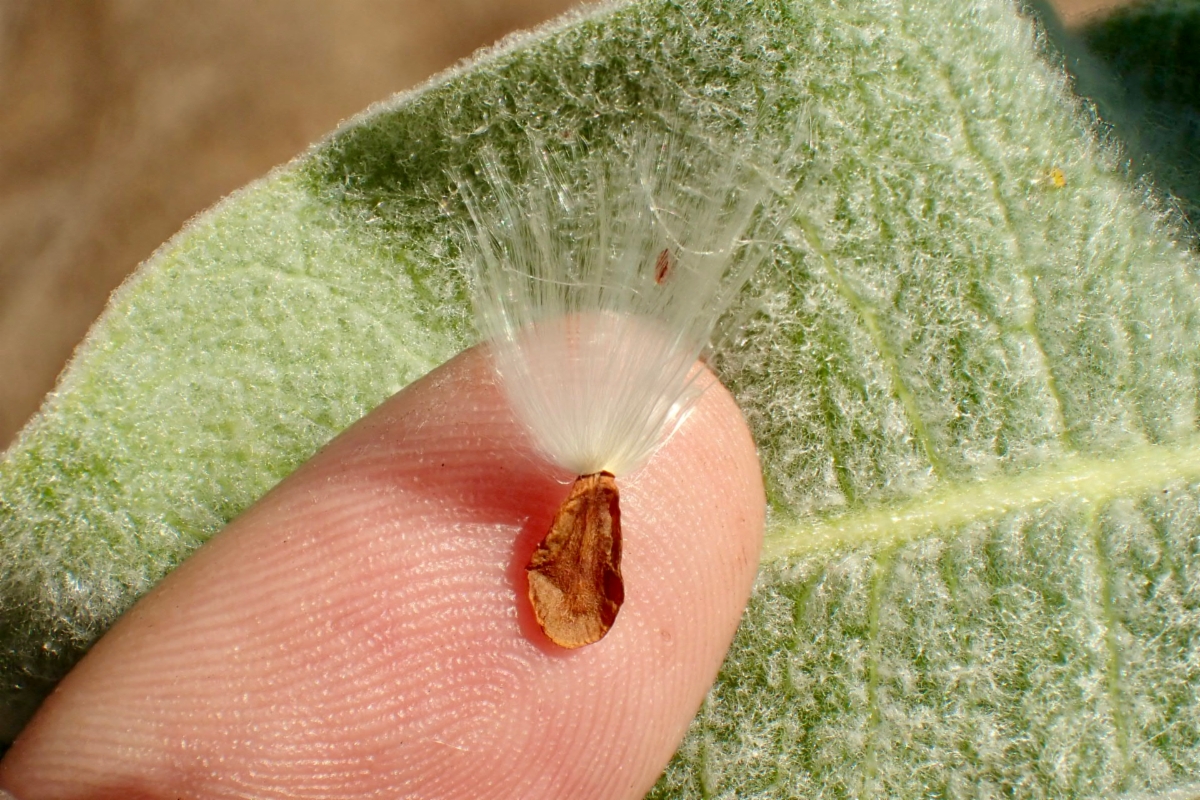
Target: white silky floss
598,293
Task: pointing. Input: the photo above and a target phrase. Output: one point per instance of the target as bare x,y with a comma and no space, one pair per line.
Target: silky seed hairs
598,289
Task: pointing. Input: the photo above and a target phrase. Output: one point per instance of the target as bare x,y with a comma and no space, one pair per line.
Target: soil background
120,119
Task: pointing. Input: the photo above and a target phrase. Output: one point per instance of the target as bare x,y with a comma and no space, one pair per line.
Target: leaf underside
974,392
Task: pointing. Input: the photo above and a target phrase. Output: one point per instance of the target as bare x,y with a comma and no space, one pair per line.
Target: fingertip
366,628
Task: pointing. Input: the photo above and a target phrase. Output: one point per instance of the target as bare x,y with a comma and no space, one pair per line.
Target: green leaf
973,387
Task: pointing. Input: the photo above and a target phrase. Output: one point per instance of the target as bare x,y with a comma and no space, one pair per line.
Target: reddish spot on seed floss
662,266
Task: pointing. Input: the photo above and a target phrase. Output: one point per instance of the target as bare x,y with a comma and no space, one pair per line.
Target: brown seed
575,581
662,267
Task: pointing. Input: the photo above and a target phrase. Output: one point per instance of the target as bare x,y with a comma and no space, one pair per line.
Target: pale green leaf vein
1028,321
879,583
870,321
1113,669
1093,479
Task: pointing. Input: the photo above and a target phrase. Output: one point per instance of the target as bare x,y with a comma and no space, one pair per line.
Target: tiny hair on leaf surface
936,333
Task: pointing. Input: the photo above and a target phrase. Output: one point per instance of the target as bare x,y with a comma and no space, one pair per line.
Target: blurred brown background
120,119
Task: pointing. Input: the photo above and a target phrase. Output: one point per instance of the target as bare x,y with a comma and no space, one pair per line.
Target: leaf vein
887,354
1113,662
1028,322
874,713
1093,479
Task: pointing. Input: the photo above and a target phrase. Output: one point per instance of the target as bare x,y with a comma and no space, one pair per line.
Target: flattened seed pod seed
575,583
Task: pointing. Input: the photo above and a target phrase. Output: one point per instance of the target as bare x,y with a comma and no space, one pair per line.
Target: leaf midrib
1085,479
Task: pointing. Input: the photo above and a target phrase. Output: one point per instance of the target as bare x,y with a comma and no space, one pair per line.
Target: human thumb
365,631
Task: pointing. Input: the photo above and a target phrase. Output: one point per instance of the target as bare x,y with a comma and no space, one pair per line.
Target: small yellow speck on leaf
575,583
1058,178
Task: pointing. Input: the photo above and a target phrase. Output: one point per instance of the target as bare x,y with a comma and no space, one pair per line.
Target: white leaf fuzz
600,287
